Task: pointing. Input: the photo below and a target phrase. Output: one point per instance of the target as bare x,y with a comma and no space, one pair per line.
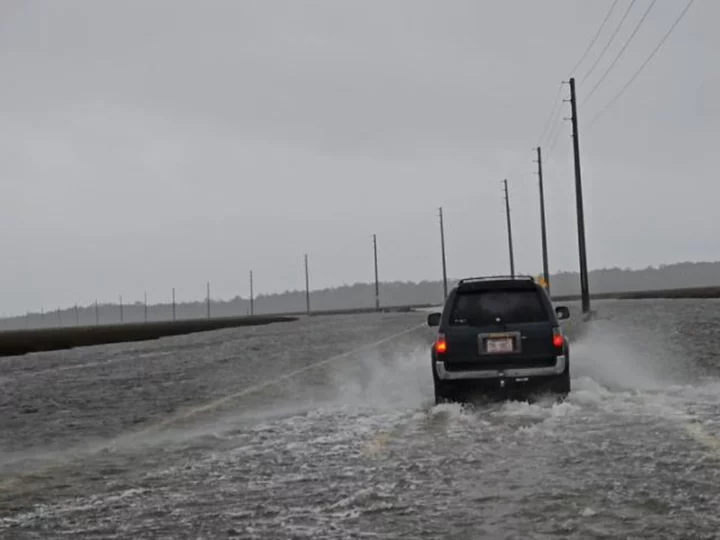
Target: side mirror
562,312
434,319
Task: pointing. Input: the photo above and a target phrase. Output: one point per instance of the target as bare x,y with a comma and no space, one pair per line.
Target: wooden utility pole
442,248
252,295
509,229
543,229
377,282
582,248
208,299
307,286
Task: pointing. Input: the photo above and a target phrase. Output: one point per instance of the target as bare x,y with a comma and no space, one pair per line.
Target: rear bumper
446,375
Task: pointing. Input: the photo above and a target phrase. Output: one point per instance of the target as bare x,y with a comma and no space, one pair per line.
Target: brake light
440,344
558,339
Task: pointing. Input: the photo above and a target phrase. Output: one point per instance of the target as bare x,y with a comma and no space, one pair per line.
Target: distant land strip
19,342
688,292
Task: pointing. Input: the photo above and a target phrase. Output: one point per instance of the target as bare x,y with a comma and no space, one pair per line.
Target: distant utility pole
208,299
146,308
442,248
543,229
307,286
97,314
252,295
59,317
509,229
173,304
122,318
584,286
377,282
77,316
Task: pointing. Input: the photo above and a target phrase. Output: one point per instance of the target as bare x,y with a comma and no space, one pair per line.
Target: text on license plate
499,345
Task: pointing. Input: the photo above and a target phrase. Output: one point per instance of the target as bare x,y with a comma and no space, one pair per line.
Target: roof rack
490,278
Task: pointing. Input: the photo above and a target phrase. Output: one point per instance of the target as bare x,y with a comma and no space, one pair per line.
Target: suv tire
560,385
444,390
444,393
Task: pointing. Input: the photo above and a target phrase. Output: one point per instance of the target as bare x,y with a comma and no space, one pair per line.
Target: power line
556,137
644,64
624,47
555,141
612,38
594,39
553,112
549,126
554,134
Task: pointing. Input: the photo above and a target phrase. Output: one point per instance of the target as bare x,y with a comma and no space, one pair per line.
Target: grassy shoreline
24,341
19,342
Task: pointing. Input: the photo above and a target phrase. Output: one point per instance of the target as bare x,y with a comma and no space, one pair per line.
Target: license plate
499,345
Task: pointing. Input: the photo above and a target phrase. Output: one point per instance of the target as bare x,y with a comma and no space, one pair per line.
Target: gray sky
147,144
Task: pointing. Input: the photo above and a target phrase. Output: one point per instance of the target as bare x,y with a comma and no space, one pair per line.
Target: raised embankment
17,342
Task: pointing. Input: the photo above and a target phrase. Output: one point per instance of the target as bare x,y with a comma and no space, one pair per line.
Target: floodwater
326,428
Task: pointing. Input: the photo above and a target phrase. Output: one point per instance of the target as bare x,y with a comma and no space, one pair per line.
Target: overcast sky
147,144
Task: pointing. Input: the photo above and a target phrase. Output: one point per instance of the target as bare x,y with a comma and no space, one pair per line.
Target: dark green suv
499,333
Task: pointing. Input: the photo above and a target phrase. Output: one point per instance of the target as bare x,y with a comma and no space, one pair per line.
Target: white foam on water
388,388
450,412
629,371
537,410
588,512
381,403
621,360
388,379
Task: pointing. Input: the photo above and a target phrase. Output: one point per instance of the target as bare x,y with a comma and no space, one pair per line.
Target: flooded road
326,428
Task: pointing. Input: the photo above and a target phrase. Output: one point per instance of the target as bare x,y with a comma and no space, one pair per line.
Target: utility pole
173,305
146,308
59,317
307,286
509,229
77,316
442,248
377,282
252,295
208,299
543,229
584,286
122,319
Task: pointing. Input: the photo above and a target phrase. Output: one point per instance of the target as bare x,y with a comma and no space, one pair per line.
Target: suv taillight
558,339
440,344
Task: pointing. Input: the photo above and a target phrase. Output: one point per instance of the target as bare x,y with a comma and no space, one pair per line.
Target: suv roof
496,282
495,278
528,292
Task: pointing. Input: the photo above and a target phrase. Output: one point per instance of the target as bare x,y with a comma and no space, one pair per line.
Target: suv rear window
479,308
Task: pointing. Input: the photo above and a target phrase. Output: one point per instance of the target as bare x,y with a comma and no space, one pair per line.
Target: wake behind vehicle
499,333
